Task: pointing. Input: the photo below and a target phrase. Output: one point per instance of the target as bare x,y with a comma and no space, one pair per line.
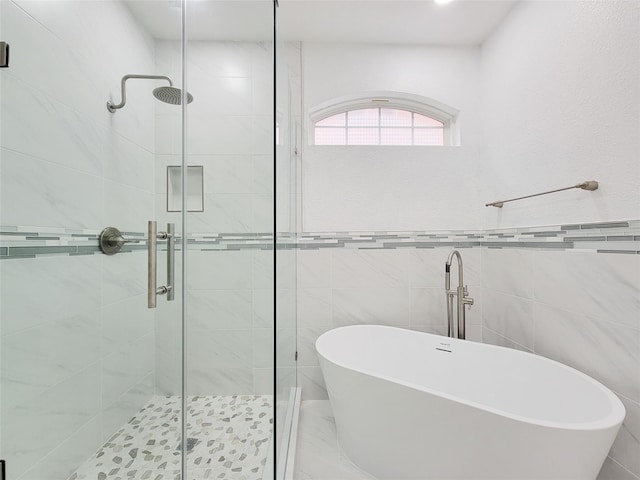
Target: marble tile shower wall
568,292
230,291
77,342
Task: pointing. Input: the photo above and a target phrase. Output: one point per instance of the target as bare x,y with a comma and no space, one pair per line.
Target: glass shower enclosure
143,287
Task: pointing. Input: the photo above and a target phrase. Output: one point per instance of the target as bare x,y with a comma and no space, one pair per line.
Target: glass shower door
88,389
230,257
94,384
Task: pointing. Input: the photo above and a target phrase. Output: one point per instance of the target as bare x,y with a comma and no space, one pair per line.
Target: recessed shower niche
195,188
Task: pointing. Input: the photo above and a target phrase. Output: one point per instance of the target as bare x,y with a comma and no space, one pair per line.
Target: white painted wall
561,104
77,338
377,188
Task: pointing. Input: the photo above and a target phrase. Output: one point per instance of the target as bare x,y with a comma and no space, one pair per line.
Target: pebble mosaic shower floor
228,439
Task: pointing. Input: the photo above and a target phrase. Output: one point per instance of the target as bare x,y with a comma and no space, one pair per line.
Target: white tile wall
608,352
604,286
119,413
35,428
40,192
508,271
511,316
314,307
73,451
402,287
230,293
38,358
380,306
220,309
369,268
58,296
625,448
612,470
65,136
579,308
219,270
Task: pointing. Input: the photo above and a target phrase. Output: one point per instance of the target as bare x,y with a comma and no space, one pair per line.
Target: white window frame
393,100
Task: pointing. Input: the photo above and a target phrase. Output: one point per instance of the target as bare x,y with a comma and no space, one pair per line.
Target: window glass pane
379,126
330,136
363,136
366,117
333,121
424,121
428,136
395,136
394,118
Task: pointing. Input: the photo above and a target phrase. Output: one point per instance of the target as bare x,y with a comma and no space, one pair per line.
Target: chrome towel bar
590,185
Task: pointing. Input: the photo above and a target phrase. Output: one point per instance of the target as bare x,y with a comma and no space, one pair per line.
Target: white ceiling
461,22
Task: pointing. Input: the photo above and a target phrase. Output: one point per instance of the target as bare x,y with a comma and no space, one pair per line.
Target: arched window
379,126
386,118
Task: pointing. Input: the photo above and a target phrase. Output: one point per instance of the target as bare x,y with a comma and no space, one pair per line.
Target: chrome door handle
152,262
171,256
111,242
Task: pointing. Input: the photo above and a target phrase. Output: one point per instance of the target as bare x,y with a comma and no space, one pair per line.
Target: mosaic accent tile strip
228,438
612,237
616,237
31,242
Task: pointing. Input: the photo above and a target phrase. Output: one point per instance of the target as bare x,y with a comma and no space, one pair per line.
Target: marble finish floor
228,437
317,454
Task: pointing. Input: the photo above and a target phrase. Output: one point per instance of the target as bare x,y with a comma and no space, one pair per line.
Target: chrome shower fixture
461,292
169,94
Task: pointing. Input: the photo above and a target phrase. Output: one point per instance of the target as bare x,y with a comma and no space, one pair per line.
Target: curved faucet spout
447,267
460,292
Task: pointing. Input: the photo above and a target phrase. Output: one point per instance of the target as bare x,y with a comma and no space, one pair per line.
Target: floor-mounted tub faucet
461,292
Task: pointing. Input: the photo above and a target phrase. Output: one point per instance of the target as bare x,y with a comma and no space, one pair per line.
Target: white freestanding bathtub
411,405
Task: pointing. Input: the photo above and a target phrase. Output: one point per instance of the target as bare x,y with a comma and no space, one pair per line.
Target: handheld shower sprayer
168,94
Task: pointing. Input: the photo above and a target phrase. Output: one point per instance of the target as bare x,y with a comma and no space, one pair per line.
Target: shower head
168,94
171,95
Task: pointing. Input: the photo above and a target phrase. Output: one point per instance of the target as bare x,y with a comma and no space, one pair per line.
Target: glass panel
330,136
339,120
289,102
230,260
428,136
424,121
395,136
365,117
395,118
362,136
91,377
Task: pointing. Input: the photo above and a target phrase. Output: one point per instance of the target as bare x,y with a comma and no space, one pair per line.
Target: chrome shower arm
112,108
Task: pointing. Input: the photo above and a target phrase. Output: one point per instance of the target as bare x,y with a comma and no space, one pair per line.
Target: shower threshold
227,438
